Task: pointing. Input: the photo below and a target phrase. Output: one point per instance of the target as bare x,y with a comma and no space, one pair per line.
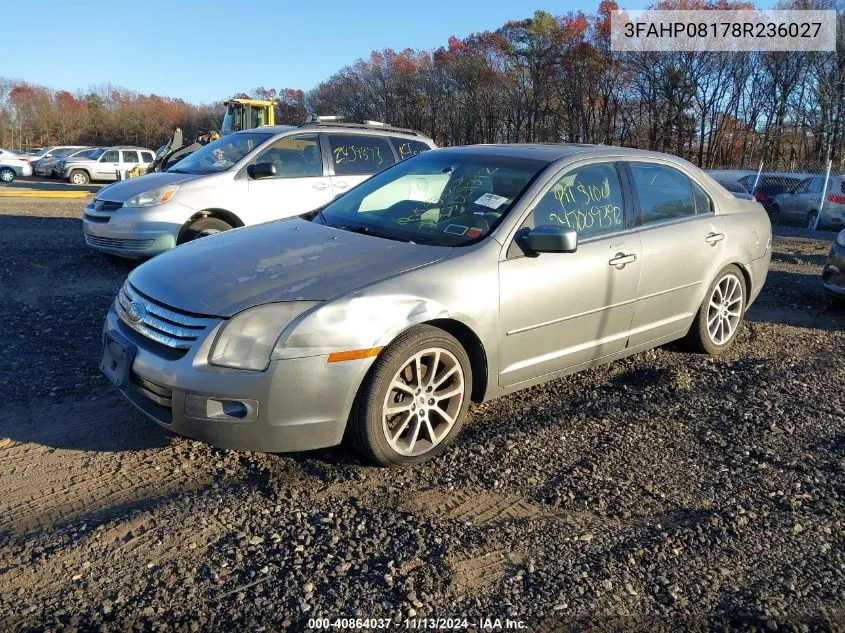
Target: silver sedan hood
125,189
287,260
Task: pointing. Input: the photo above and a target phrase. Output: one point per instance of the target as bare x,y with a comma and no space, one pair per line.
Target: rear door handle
714,238
320,185
621,259
340,184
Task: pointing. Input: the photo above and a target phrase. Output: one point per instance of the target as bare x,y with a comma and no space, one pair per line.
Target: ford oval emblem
136,312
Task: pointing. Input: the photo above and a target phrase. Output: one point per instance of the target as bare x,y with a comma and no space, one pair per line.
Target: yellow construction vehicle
246,114
242,113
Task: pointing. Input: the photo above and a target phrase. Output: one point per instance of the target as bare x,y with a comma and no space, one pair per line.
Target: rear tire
774,216
721,314
78,177
203,228
425,378
7,174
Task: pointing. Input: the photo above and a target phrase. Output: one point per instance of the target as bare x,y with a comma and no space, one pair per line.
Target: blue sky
227,47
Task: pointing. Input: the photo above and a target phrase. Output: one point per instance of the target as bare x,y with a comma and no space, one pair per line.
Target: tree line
545,78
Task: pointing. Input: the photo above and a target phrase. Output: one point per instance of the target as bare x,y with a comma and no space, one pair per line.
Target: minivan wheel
414,399
78,177
720,316
7,174
203,228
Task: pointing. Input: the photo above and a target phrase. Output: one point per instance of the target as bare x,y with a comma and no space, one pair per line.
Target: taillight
759,195
832,197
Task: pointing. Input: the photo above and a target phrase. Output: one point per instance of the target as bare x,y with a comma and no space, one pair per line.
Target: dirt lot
667,491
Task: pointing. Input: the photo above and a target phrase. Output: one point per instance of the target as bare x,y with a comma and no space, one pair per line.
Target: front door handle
622,259
320,185
714,238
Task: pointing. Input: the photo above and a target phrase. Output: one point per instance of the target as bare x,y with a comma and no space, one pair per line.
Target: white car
243,178
13,166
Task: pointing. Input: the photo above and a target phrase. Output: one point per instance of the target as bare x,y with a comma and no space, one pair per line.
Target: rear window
357,154
147,157
406,148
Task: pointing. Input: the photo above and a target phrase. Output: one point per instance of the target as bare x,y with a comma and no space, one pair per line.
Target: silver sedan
457,276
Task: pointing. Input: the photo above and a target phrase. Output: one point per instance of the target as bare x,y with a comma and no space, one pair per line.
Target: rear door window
130,156
664,193
358,154
406,148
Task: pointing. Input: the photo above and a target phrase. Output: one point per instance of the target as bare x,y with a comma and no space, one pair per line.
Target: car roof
552,152
339,128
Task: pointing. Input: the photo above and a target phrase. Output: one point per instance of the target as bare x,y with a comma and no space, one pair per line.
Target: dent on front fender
357,323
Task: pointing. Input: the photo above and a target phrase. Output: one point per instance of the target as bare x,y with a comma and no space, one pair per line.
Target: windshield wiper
368,231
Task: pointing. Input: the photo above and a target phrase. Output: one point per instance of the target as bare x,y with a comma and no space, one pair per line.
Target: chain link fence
808,195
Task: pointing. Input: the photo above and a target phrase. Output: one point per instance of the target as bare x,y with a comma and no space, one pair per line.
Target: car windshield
65,151
97,153
220,155
441,198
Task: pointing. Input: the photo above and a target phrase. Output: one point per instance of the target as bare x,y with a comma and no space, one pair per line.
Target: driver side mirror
261,170
548,238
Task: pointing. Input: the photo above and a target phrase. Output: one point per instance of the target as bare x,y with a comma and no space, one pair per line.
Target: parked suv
243,178
104,164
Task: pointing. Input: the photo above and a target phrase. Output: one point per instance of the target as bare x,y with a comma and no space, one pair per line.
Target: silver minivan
244,178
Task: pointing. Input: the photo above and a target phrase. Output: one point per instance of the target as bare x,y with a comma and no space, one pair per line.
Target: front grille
105,205
166,326
101,219
119,244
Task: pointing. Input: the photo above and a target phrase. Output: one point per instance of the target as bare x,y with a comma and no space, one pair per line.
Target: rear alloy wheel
78,177
203,228
7,174
414,400
720,316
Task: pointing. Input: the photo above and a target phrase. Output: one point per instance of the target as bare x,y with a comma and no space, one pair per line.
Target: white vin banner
725,31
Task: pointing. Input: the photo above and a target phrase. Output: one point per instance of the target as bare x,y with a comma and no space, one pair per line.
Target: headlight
247,339
840,239
153,197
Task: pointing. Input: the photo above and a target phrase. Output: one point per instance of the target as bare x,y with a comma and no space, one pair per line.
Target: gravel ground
668,491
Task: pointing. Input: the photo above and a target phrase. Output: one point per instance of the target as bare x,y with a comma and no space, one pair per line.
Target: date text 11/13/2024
418,624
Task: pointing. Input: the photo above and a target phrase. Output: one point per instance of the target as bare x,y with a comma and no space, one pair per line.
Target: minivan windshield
221,154
440,197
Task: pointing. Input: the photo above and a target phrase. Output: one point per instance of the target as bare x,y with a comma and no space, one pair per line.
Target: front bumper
833,275
301,404
133,232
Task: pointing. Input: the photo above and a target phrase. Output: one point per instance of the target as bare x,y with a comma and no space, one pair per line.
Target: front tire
414,400
720,316
7,174
203,228
78,177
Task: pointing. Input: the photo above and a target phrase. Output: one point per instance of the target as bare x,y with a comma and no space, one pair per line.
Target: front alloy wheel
413,401
7,174
422,402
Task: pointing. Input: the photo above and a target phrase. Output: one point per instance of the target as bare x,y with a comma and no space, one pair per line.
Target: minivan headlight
153,197
248,338
840,239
